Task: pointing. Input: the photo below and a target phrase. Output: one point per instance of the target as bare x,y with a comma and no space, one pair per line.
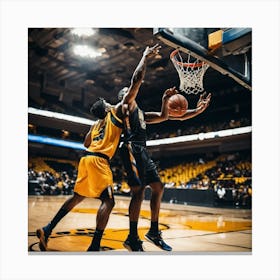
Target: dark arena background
205,163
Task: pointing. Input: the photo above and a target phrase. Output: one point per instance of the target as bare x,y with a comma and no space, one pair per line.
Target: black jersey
140,168
136,128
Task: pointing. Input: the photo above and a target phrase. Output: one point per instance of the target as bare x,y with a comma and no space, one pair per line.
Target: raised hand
152,51
203,101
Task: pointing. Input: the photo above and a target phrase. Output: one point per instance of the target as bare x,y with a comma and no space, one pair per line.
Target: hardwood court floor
188,229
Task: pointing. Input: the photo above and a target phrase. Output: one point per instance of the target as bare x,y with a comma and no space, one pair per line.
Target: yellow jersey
94,173
105,135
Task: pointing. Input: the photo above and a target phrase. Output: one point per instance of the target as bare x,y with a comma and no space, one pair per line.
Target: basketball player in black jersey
140,168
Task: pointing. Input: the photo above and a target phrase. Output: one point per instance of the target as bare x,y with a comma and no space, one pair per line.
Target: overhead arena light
83,31
86,51
54,115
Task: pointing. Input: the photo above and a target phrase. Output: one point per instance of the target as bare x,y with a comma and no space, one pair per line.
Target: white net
191,72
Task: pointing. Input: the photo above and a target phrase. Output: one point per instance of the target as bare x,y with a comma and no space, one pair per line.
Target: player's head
100,108
122,92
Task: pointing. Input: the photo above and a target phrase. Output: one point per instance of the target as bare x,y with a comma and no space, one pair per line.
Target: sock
60,214
47,229
154,227
95,243
133,228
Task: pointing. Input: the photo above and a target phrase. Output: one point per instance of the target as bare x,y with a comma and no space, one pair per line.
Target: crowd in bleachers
195,129
47,183
51,176
223,174
229,176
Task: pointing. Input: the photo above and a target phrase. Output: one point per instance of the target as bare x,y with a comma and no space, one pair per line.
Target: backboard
227,50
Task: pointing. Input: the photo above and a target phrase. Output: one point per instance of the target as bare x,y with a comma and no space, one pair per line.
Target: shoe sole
42,244
127,247
93,249
151,241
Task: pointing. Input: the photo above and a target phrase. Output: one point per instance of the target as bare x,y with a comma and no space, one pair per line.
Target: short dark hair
121,93
98,109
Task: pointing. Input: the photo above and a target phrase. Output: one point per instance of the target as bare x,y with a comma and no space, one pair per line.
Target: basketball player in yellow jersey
95,177
101,142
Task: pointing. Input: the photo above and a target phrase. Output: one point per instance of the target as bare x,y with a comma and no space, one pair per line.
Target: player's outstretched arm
157,117
139,74
201,106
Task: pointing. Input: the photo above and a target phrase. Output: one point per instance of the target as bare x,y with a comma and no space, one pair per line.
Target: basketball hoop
191,72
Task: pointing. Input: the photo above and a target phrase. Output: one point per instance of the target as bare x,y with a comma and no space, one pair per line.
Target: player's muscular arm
157,117
201,106
188,115
139,74
121,110
87,140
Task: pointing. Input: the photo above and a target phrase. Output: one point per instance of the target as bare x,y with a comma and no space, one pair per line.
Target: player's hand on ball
169,92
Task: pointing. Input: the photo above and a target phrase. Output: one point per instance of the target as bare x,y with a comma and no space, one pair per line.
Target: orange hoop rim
185,64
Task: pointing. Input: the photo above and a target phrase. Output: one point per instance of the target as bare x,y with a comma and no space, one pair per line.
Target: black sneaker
93,248
157,240
133,244
43,237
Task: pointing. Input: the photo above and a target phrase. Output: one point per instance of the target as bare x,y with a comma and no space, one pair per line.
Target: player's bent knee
157,187
137,192
110,202
107,197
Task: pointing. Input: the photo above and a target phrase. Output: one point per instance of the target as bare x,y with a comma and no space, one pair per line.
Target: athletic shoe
43,237
93,248
157,240
133,244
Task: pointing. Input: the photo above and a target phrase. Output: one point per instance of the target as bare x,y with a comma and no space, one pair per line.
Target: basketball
177,105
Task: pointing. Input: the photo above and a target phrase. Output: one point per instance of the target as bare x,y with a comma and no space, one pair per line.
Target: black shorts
139,167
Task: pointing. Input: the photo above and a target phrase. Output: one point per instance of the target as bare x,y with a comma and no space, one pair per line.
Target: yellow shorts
94,176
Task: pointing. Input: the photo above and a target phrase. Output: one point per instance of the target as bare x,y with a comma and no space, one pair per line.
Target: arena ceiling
56,75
